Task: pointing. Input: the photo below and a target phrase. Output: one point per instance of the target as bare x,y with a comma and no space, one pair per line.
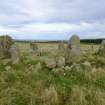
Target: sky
52,19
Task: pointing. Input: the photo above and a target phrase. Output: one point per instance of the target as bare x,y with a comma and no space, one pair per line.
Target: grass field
54,47
31,83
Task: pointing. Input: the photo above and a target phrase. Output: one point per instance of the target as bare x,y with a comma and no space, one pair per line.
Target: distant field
53,47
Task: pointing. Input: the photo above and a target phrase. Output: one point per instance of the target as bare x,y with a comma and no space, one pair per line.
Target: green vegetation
31,83
5,43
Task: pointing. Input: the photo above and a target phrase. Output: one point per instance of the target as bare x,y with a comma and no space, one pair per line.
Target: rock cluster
53,63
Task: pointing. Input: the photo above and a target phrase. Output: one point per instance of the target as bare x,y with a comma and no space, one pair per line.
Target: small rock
50,63
63,67
67,68
61,61
58,70
86,63
8,68
76,67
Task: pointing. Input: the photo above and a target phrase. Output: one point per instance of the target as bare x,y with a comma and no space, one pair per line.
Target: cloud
56,18
5,30
55,27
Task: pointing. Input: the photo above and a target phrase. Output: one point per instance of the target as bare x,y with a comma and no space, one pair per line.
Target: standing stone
34,46
14,51
5,44
73,49
74,42
101,51
2,55
61,46
61,49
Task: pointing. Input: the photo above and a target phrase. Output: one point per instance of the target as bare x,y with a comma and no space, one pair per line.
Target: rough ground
31,83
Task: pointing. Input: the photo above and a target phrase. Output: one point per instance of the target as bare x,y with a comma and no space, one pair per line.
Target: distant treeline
95,41
39,41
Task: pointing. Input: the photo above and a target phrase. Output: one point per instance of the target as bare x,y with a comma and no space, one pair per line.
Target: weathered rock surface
15,55
50,63
61,49
101,51
67,68
34,46
74,42
58,70
8,68
73,51
60,61
61,46
5,44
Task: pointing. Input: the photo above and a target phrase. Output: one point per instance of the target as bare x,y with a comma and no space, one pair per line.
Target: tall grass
31,83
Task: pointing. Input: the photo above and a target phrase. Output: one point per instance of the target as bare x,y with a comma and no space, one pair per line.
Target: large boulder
73,50
5,44
15,55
